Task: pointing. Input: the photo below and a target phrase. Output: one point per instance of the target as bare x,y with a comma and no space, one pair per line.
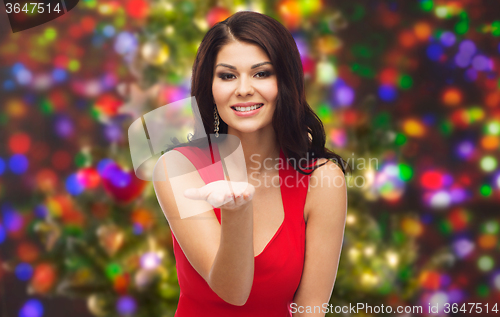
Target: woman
248,256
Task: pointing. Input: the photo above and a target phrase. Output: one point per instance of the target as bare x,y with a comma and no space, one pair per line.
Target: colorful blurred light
426,5
485,263
27,251
24,271
458,195
18,163
465,149
388,183
89,177
488,163
481,63
439,299
31,308
493,127
117,176
487,241
462,60
430,279
125,43
434,52
452,97
150,260
422,31
412,227
467,48
491,227
3,234
64,126
325,72
43,278
432,180
496,281
12,220
413,128
103,165
126,305
387,93
113,133
440,200
19,143
448,38
108,30
59,75
470,74
459,219
463,247
40,211
74,185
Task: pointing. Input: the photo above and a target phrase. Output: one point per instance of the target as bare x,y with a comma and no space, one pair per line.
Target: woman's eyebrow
232,67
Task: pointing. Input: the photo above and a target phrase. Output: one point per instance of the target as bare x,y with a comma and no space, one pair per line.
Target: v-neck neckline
280,175
215,156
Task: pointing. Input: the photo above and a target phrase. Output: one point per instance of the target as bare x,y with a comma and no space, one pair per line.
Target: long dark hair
299,131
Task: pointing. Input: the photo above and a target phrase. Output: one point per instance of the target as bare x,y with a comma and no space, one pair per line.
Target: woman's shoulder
186,159
326,166
199,156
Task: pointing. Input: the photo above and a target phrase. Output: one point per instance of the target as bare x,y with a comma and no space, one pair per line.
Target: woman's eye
224,76
263,74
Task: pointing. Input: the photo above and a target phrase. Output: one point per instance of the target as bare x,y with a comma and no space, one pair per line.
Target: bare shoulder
327,185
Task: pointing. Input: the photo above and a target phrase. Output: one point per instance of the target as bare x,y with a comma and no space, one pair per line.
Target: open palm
223,194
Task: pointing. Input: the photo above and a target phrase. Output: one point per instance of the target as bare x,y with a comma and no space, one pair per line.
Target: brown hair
299,131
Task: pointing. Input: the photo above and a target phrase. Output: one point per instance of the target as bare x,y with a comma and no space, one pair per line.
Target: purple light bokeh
126,305
64,127
467,47
480,63
470,74
465,149
448,38
344,95
463,247
462,60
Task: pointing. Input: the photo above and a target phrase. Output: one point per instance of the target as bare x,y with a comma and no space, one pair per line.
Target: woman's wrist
248,207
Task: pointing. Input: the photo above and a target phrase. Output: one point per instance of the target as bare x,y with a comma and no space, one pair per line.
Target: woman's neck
261,149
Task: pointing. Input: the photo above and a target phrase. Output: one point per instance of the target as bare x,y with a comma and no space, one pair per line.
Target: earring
216,117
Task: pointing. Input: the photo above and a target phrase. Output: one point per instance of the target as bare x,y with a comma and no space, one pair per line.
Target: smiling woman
247,255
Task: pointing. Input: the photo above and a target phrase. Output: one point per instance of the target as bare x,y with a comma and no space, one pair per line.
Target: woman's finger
192,193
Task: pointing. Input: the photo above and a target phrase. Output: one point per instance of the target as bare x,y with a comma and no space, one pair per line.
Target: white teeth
243,109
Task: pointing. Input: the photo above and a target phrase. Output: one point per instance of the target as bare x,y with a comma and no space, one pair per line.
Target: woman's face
243,74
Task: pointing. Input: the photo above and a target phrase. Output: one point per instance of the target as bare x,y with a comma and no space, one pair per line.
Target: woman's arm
221,253
326,204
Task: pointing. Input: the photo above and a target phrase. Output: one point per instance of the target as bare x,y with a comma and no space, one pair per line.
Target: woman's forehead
243,54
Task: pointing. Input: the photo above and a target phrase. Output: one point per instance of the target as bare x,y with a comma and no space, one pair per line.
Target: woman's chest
268,216
272,209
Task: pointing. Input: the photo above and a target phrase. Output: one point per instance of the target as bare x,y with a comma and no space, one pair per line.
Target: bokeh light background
413,84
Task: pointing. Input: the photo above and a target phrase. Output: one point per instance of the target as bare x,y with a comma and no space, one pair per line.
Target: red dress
277,269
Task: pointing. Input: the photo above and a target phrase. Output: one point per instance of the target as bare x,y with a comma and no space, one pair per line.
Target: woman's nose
244,87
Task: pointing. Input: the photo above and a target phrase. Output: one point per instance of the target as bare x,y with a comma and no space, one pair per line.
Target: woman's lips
247,113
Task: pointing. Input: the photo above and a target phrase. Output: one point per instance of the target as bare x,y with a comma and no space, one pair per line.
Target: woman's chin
246,128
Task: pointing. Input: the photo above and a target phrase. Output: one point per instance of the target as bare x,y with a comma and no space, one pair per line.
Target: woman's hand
223,194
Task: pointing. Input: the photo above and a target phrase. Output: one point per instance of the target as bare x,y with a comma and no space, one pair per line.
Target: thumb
192,193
